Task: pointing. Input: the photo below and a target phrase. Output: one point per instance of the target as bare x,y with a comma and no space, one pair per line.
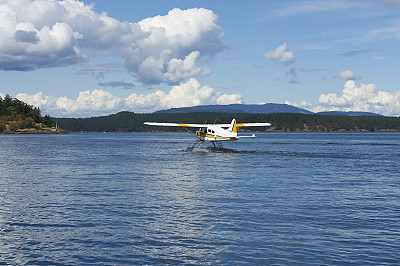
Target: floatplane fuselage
215,133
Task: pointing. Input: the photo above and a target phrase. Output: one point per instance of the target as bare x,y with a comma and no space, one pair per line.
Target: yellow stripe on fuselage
212,136
183,125
240,125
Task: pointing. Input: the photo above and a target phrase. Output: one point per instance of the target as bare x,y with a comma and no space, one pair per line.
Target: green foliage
46,121
13,126
14,107
27,122
128,121
2,126
303,122
19,115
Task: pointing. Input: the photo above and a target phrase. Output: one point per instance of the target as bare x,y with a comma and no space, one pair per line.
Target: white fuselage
215,133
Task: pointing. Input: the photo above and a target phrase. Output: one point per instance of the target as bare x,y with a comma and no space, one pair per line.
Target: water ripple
137,199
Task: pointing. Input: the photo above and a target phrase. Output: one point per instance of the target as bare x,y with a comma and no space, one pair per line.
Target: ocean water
137,198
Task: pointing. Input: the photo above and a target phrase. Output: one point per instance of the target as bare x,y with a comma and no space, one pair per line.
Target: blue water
137,198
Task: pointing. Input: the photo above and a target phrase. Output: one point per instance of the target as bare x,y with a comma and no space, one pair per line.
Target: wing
173,124
253,124
206,125
243,125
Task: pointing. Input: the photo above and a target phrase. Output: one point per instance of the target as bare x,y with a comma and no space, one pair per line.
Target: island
281,122
17,117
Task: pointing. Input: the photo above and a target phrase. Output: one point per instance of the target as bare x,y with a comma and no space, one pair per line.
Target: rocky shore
36,131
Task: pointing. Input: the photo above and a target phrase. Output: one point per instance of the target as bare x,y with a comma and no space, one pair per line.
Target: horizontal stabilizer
252,136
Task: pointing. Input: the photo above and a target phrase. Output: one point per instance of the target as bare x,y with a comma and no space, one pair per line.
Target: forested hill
128,121
19,117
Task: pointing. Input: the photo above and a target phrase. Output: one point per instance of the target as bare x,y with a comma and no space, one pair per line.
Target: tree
13,126
27,123
2,126
46,121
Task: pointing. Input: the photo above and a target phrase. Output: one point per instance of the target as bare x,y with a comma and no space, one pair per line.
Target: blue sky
79,59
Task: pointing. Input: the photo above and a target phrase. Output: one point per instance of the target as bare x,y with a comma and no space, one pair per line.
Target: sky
90,58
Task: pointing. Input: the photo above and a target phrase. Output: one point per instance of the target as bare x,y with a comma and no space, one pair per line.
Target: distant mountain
267,108
348,113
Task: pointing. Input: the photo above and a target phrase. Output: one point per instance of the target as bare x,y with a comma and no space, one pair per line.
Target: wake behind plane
214,133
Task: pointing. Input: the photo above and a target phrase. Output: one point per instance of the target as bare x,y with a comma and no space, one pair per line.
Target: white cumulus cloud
171,71
280,55
363,98
360,98
41,33
303,104
98,102
347,75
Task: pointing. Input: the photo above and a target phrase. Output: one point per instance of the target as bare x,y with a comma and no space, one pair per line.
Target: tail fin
232,127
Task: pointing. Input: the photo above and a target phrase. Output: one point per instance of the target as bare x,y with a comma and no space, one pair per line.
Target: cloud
303,104
98,102
359,52
26,36
395,3
118,84
280,55
100,70
347,75
175,43
41,34
362,98
303,7
153,68
378,54
186,94
391,31
291,76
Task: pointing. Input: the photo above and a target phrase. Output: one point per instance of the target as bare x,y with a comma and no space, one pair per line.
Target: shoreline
34,132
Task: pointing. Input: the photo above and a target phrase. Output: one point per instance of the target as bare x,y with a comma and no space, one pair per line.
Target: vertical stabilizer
232,127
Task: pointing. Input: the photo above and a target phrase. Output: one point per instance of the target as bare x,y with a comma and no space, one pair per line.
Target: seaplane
213,133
